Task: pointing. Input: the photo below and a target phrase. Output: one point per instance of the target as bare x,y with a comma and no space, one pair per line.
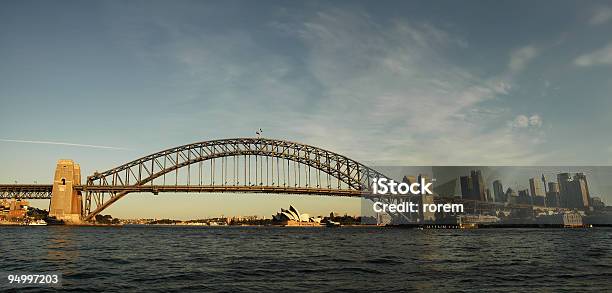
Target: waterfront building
538,194
523,197
597,203
479,186
511,196
573,191
498,191
466,187
473,187
14,209
568,219
292,217
552,196
565,189
583,197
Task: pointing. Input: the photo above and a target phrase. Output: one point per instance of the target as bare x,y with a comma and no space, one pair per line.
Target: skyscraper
466,187
582,196
565,189
573,191
511,196
537,192
479,186
498,191
552,196
473,187
523,197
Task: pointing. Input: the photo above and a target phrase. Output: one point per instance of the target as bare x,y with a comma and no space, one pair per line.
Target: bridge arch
351,178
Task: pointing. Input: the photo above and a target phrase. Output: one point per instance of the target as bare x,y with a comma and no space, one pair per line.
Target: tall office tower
489,196
466,187
523,197
552,196
537,192
583,197
574,191
479,186
498,191
511,196
565,189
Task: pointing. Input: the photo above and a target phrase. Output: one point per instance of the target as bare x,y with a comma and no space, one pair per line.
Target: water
312,259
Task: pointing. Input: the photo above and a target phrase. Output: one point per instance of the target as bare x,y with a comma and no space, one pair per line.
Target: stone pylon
66,202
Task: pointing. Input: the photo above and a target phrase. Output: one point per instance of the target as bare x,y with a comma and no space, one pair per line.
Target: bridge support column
66,202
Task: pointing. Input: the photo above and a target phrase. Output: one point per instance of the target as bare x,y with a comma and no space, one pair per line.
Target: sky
401,83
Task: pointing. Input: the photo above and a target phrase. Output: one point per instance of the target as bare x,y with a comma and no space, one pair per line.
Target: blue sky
404,83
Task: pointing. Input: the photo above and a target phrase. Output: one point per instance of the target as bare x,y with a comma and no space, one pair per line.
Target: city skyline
404,84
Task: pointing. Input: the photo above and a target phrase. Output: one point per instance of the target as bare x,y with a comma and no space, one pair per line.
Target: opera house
292,217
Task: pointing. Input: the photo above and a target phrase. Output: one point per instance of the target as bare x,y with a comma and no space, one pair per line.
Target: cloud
521,57
522,121
391,96
380,92
601,16
63,144
535,121
602,56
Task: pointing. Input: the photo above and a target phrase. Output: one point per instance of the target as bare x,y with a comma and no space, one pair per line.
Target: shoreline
403,226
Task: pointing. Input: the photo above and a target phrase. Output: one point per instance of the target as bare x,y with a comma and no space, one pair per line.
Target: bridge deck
29,191
40,191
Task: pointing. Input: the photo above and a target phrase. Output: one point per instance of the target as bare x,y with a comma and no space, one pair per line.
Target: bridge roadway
26,191
43,191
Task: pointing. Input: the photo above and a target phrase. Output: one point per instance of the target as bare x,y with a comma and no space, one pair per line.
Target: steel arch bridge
231,165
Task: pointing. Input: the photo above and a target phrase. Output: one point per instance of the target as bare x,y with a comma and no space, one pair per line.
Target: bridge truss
232,165
29,191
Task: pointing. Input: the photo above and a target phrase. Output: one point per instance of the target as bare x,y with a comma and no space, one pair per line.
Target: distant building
583,197
552,196
512,196
292,217
498,191
13,209
570,219
523,197
466,187
538,194
573,191
479,186
597,203
473,187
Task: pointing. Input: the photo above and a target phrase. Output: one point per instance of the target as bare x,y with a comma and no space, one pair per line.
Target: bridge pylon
66,201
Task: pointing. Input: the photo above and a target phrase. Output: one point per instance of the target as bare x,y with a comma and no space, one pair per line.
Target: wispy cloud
62,143
521,57
407,104
522,121
601,16
602,56
381,91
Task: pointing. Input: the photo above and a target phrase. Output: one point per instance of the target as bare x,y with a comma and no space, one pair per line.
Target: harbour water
233,259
